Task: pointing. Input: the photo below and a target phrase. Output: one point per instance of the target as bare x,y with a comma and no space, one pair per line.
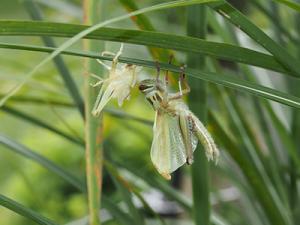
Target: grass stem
200,182
93,126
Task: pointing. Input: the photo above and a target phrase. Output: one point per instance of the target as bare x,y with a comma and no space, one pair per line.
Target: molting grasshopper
117,85
176,129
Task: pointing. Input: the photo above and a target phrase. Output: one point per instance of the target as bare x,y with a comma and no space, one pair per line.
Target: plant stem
200,182
93,126
294,193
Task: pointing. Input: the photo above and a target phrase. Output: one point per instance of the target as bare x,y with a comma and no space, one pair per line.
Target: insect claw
189,160
182,72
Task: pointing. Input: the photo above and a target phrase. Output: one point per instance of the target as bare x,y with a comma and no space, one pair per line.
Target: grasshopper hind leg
186,126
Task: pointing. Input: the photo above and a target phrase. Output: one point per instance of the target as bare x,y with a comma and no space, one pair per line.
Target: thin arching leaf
51,166
149,38
62,68
228,81
24,211
292,5
85,32
40,123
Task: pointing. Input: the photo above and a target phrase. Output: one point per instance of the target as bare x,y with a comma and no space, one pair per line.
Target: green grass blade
26,152
149,38
125,190
141,20
272,162
242,22
285,136
218,220
93,12
63,70
293,187
123,115
85,32
292,5
253,152
40,123
39,101
117,113
250,143
196,27
184,201
148,208
116,212
275,214
228,81
276,24
24,211
65,7
284,31
144,23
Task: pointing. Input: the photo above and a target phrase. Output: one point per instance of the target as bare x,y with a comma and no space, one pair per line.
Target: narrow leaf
292,5
228,81
149,38
23,211
196,27
63,70
85,32
40,123
242,22
26,152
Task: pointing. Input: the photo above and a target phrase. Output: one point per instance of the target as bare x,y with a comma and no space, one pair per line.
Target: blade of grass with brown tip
93,125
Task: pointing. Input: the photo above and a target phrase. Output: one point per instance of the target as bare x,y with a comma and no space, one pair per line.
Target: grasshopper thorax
154,91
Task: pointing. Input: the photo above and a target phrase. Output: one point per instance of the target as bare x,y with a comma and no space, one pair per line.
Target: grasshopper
118,84
176,129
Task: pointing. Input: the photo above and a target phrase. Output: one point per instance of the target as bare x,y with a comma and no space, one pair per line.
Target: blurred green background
127,141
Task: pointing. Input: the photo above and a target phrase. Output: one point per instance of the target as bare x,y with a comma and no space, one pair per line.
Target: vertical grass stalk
93,126
294,192
196,19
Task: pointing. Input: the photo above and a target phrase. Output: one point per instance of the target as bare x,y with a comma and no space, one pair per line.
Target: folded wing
167,151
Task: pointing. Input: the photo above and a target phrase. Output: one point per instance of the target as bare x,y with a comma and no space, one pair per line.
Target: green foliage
42,167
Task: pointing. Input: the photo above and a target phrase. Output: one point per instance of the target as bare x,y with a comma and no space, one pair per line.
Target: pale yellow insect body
118,84
176,129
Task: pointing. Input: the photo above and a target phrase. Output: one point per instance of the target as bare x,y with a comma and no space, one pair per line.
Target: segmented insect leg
98,78
103,64
211,150
167,71
115,60
182,80
184,124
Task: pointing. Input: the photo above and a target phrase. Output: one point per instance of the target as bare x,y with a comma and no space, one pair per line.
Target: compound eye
143,87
